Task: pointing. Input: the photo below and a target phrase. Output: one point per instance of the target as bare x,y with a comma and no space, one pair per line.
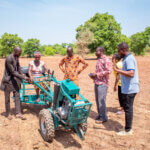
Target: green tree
49,50
8,43
64,45
42,49
58,48
147,32
139,41
0,48
63,51
30,46
106,30
124,38
61,48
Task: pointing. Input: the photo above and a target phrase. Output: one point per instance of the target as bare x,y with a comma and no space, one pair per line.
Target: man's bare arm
129,73
61,65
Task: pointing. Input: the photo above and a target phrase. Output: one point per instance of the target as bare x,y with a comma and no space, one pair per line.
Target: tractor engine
64,105
64,109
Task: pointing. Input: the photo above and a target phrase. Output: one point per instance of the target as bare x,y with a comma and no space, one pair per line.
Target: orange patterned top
71,69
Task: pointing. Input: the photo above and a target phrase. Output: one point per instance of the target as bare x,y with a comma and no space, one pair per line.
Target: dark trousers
120,96
128,100
100,96
7,91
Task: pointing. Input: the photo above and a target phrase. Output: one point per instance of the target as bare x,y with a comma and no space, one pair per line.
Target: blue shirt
129,85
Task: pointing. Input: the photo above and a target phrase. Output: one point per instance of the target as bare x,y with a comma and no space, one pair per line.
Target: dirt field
24,135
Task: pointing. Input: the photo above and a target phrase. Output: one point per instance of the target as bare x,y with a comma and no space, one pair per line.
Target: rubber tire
49,125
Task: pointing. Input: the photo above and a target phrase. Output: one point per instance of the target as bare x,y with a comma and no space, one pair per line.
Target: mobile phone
90,74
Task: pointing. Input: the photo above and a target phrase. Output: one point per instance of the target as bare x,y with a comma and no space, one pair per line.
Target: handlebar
50,77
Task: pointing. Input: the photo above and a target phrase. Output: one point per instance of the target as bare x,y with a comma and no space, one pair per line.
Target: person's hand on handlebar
31,79
49,72
26,78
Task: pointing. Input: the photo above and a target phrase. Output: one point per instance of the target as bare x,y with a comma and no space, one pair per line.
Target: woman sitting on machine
35,70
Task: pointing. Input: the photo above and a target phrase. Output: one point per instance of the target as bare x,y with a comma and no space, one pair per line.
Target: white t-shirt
36,70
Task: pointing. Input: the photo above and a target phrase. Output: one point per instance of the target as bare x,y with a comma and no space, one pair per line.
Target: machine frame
78,111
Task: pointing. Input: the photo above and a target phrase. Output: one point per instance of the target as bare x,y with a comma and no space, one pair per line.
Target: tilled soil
24,135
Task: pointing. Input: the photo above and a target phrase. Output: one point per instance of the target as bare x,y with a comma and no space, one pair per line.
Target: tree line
9,41
101,29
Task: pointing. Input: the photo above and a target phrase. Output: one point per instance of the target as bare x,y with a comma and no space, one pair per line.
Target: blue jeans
100,96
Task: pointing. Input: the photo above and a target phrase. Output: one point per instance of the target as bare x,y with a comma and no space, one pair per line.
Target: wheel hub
43,126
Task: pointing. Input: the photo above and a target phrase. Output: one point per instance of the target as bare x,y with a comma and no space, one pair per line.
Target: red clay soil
24,135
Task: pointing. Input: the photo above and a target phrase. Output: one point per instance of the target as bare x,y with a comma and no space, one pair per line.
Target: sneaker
119,112
124,133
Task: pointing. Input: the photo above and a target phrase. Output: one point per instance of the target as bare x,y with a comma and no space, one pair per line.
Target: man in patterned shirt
101,77
71,69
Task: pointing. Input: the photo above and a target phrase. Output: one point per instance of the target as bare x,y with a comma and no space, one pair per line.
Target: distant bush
30,46
100,30
63,51
139,41
49,51
8,43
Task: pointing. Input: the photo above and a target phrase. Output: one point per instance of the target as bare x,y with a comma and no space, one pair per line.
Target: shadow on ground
112,109
110,125
65,137
32,109
27,109
93,114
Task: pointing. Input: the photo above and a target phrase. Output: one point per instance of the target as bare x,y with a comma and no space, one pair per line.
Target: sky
55,21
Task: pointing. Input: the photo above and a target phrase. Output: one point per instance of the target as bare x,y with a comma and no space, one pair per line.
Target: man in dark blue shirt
129,85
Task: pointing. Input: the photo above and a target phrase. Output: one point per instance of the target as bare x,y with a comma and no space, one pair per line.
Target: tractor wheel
46,123
83,128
